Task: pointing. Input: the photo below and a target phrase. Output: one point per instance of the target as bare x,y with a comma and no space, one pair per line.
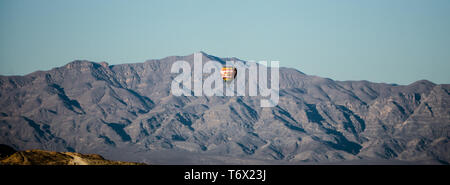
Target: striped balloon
228,73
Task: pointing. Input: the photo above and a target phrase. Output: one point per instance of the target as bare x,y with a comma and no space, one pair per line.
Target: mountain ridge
93,107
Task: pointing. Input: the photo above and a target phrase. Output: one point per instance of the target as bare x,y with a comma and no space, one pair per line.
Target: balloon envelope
228,73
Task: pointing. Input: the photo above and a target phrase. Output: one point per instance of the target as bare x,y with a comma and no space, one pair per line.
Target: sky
389,41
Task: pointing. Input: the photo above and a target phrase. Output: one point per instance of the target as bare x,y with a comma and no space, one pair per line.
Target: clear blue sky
392,41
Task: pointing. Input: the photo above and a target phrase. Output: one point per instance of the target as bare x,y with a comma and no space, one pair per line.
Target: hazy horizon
380,41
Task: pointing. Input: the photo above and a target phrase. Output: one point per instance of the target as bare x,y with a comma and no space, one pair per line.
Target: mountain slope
41,157
126,112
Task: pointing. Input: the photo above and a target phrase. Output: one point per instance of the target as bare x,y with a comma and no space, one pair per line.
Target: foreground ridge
42,157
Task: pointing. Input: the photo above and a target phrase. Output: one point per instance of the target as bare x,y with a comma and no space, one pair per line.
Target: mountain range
127,112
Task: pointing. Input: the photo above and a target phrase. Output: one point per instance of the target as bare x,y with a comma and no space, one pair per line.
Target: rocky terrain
127,112
41,157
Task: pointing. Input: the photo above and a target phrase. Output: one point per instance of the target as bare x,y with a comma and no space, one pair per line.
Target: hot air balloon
228,73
